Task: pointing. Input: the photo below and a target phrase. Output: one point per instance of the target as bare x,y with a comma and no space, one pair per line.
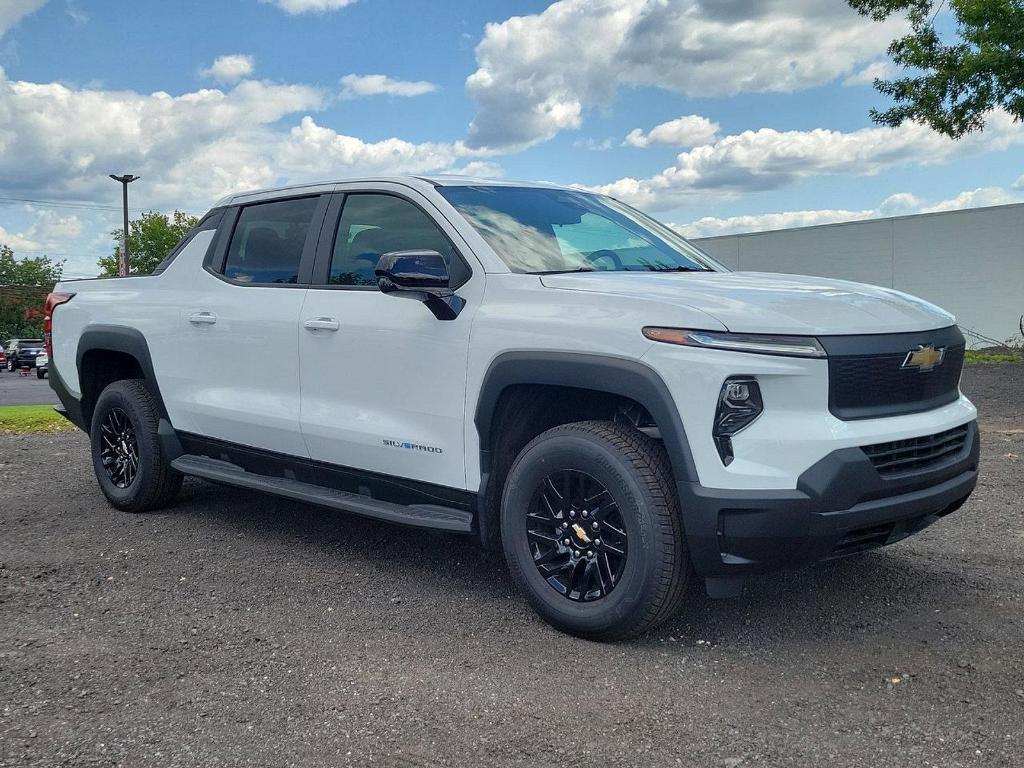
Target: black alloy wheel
592,531
119,454
577,535
128,456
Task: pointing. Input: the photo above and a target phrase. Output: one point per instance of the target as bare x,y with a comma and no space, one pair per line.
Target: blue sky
730,116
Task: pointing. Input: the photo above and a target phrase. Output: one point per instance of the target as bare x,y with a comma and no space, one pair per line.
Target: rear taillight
53,301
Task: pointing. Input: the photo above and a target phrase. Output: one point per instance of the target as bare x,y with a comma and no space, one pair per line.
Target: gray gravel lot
238,630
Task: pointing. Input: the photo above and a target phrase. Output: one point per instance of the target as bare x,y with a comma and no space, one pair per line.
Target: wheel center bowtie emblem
580,533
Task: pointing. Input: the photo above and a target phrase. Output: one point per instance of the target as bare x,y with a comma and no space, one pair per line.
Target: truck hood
764,302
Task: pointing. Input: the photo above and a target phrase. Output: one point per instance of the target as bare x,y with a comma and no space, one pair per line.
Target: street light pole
122,266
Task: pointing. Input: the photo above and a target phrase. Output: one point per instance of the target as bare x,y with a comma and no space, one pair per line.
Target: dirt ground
237,629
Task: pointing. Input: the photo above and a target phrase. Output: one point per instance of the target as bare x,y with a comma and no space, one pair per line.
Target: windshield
543,231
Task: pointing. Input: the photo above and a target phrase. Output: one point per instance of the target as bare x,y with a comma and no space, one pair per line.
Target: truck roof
417,182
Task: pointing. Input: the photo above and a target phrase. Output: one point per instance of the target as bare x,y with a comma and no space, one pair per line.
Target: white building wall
970,262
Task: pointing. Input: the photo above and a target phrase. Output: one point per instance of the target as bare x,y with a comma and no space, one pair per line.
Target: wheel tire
40,374
10,365
635,471
154,484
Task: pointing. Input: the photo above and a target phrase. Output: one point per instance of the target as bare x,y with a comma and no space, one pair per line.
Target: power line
48,252
69,204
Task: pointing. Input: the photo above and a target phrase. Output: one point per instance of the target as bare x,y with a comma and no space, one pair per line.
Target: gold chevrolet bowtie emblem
924,358
580,533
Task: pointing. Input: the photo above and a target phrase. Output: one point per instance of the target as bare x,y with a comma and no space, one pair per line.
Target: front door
383,380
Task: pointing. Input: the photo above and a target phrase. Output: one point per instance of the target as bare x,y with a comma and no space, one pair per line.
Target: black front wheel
591,530
126,453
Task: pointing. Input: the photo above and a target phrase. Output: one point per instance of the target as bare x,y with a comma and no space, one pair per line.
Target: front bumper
841,505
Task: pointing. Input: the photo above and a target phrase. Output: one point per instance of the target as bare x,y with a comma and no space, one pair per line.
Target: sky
715,117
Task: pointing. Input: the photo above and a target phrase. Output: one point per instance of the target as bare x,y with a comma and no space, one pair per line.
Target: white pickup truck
570,381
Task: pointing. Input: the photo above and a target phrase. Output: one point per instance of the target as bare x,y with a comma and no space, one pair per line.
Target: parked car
42,365
544,369
21,353
3,358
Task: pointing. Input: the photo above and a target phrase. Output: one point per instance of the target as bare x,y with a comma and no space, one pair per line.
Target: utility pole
122,266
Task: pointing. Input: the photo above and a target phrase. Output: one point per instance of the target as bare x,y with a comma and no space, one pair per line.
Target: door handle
202,318
321,324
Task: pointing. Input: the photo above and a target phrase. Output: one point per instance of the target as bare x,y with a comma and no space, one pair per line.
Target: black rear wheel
591,530
127,457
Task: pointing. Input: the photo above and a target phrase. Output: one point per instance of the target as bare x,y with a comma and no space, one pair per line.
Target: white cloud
354,86
18,241
75,13
1019,183
976,198
900,204
480,168
13,11
686,131
594,145
230,68
48,230
58,140
190,149
313,150
59,143
881,70
538,74
769,159
295,7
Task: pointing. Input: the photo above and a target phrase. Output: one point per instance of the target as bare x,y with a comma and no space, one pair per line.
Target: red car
3,359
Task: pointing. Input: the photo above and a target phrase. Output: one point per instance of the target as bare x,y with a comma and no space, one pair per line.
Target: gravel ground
240,630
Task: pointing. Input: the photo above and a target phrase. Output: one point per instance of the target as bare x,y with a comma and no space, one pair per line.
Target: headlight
739,404
788,346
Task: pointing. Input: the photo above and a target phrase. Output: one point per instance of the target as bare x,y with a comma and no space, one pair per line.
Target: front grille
917,454
867,378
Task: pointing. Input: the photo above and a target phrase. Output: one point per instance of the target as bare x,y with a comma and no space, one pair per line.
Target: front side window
375,224
537,230
267,243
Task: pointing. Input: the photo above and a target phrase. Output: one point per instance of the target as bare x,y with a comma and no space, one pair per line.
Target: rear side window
267,243
372,225
208,222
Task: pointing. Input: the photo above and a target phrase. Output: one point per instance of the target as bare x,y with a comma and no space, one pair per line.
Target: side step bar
418,515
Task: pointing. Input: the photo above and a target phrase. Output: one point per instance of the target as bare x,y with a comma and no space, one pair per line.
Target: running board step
418,515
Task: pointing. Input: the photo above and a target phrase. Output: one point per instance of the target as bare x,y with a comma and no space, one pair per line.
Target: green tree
953,84
151,237
37,270
24,284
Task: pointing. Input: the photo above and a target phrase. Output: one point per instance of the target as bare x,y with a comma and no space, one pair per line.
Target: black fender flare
129,341
602,373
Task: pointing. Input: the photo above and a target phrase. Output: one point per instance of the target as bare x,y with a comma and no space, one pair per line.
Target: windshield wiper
677,269
564,271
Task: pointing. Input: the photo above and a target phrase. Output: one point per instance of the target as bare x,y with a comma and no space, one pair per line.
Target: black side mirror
419,275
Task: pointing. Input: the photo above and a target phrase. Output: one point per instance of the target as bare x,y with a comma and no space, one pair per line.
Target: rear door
240,326
383,380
